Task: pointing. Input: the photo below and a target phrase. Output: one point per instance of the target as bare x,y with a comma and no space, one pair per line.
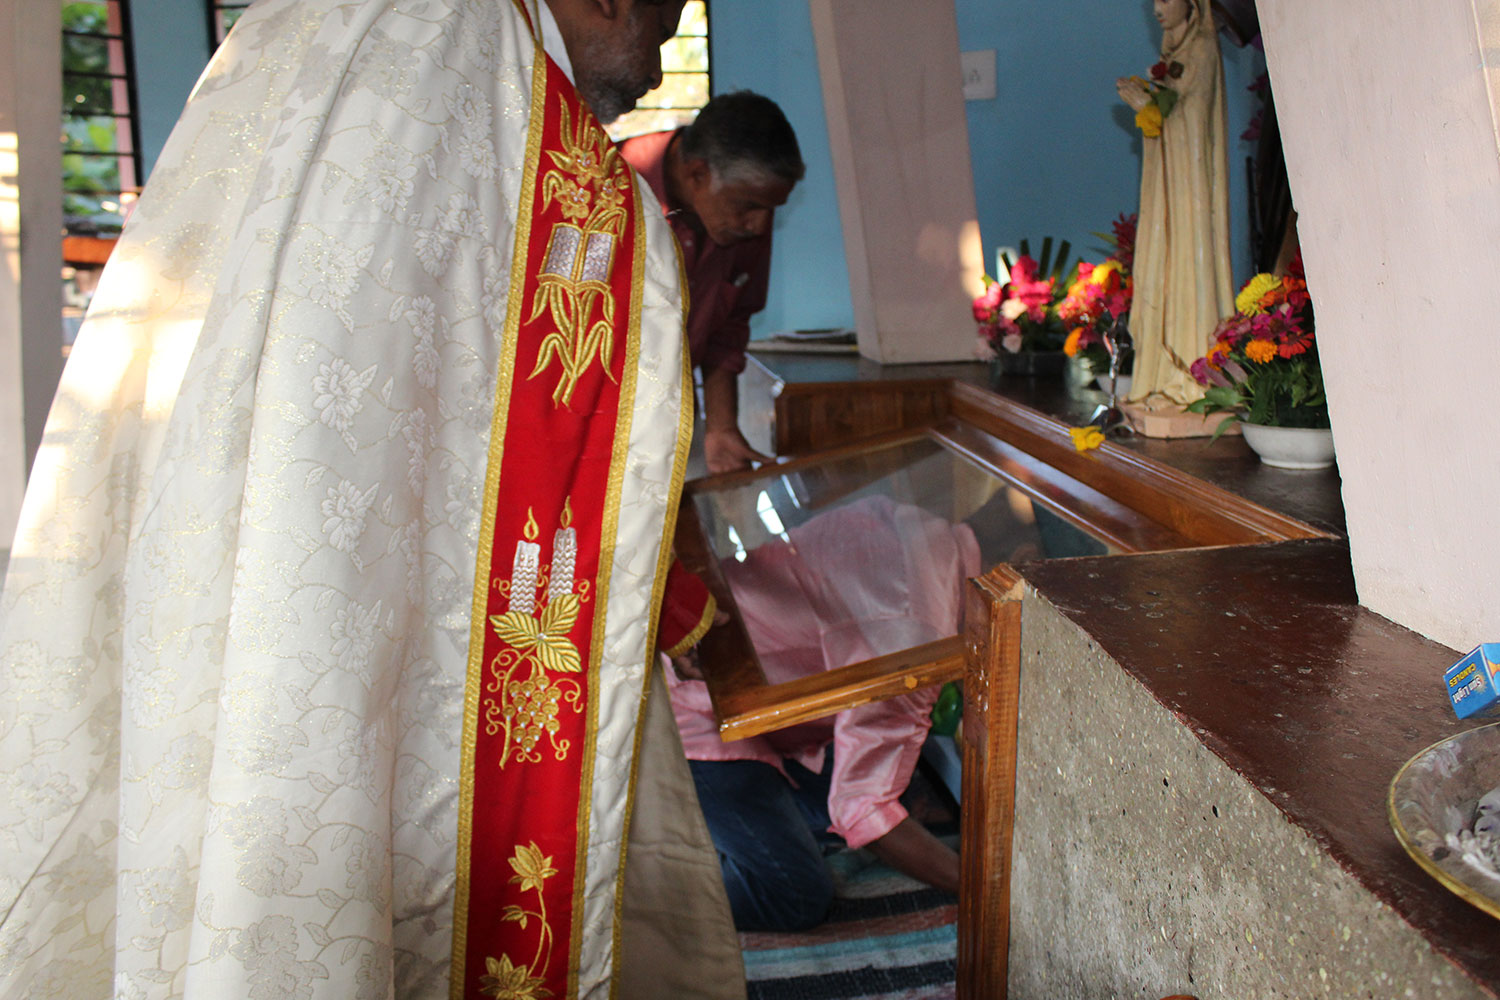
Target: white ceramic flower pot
1122,388
1291,447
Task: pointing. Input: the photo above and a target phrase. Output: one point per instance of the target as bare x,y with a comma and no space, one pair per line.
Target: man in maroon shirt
720,180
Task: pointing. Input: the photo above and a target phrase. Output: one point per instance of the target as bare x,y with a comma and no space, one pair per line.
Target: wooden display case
1010,472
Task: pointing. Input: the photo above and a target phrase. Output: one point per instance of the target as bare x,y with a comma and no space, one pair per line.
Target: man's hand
726,450
911,849
689,666
724,447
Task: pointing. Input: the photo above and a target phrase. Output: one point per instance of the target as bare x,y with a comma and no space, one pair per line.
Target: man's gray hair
744,138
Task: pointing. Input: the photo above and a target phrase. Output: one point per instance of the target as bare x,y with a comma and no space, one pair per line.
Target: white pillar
1388,121
893,96
30,238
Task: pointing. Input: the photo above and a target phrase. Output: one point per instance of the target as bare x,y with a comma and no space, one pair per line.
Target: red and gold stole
558,441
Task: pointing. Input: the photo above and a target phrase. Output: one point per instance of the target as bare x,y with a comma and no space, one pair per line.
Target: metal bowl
1436,796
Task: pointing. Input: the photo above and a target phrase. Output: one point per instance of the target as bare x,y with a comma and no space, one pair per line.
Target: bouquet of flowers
1161,97
1018,311
1098,302
1263,365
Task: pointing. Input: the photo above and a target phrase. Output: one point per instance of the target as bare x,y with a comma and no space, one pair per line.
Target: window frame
638,121
217,10
124,107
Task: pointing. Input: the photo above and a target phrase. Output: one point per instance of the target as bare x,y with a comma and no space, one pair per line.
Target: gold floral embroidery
588,181
526,704
504,978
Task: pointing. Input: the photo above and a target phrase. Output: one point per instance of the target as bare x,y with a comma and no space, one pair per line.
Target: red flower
1296,342
1296,291
1158,71
1124,231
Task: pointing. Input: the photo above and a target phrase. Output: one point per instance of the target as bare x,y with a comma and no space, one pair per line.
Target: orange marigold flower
1070,346
1217,354
1260,351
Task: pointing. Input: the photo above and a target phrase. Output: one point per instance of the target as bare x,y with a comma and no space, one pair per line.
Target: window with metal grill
685,79
221,16
100,163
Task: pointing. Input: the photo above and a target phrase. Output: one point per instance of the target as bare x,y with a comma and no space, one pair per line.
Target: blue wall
1055,154
767,46
172,46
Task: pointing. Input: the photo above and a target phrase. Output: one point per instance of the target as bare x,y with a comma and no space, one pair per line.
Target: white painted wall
30,240
1391,146
892,94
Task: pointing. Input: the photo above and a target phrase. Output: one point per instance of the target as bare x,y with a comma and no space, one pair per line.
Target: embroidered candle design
529,678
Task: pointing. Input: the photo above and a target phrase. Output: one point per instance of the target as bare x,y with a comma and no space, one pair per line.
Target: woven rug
887,937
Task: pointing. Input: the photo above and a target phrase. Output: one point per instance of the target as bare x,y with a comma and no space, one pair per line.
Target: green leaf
1166,100
1224,425
1217,399
1061,263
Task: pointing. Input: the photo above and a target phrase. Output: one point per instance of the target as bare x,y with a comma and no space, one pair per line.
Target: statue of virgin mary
1182,274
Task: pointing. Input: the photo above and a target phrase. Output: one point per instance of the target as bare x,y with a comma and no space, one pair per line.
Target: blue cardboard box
1473,683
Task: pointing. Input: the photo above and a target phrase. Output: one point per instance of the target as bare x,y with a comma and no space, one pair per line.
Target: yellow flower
574,201
1260,351
1070,346
1248,301
1086,438
1148,120
1103,271
510,982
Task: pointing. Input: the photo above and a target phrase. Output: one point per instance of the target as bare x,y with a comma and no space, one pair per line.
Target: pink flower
986,302
1023,270
1206,374
1027,289
1232,329
1012,342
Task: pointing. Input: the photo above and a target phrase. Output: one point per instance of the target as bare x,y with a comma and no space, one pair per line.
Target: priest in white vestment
328,623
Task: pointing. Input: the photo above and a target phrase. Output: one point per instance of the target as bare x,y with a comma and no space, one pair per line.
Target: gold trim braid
699,630
658,591
498,424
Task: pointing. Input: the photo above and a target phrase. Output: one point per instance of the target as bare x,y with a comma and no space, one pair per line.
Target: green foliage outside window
95,118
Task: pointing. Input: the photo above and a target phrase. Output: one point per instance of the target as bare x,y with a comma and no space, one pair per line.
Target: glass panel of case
1008,525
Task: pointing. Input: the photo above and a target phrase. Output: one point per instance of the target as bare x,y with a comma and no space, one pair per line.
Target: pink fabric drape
856,582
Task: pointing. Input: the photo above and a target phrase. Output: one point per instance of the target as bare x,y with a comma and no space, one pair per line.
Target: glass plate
1434,796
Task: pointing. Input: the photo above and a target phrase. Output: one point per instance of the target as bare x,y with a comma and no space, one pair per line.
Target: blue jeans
769,837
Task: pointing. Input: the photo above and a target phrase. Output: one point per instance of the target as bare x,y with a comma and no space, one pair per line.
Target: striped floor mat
887,937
